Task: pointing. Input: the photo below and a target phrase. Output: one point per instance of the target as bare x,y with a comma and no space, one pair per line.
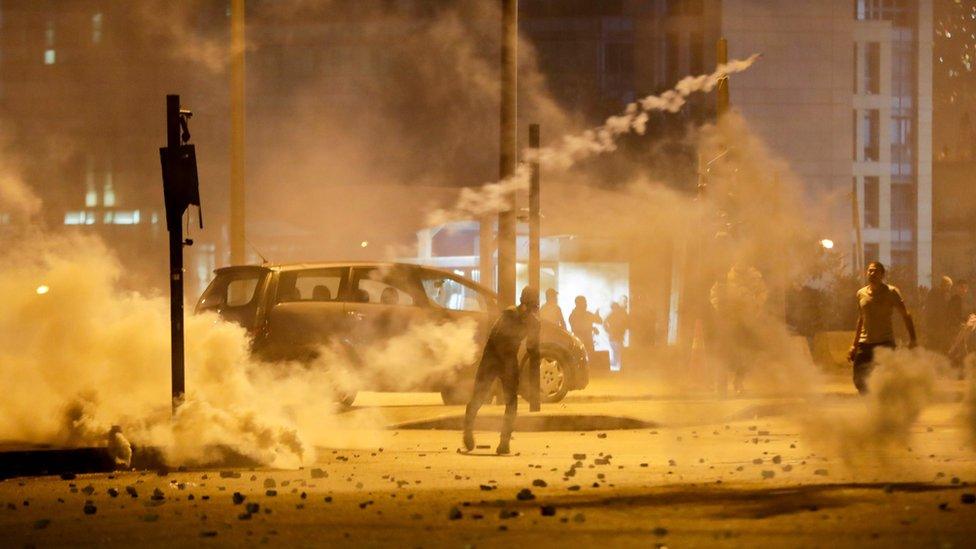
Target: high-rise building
844,92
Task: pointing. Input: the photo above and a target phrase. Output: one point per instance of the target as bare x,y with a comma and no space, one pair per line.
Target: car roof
286,267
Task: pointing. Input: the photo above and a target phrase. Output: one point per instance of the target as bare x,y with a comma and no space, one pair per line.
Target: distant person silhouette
550,312
581,321
617,324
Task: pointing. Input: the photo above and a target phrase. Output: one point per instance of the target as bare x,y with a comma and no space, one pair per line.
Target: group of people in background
583,324
949,319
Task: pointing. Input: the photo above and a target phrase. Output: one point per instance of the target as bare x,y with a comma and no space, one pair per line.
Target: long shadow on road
743,503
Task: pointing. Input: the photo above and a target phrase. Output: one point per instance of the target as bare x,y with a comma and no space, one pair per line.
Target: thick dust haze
420,109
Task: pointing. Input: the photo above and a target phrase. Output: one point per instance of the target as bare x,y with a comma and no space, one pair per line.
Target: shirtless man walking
876,304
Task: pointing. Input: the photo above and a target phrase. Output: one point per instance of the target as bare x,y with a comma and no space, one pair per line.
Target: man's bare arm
857,336
909,323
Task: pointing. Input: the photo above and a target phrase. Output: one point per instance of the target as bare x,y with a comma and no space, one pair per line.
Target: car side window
375,286
310,285
448,293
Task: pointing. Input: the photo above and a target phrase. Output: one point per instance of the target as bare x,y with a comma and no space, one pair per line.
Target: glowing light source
364,243
42,289
827,243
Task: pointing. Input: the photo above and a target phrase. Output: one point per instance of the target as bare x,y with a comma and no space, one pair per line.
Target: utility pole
237,224
486,251
722,90
180,189
508,152
535,253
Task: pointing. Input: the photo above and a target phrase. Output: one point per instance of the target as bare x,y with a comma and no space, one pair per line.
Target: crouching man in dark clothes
500,360
876,304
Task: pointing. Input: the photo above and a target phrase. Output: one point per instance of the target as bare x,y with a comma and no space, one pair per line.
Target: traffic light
181,187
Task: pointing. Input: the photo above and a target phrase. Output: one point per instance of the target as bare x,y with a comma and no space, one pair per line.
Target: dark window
672,58
696,53
872,252
897,11
872,68
619,58
902,207
311,285
871,134
685,7
872,207
382,286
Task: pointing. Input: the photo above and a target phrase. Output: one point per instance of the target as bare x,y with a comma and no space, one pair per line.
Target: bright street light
827,243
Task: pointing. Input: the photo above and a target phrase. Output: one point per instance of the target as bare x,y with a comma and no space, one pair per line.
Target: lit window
97,28
49,57
89,218
155,218
74,218
91,197
108,196
126,217
107,218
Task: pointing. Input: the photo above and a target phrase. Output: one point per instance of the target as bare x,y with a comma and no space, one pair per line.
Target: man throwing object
500,360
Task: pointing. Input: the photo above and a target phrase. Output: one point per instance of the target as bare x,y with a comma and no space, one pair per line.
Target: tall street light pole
508,153
237,250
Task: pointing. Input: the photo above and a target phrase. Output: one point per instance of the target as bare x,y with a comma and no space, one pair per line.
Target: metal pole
535,256
237,246
722,90
508,151
175,268
486,251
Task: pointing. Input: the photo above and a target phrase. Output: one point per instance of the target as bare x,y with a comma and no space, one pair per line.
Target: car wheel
346,399
553,378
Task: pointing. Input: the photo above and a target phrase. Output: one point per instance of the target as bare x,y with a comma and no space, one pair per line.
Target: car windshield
230,290
449,293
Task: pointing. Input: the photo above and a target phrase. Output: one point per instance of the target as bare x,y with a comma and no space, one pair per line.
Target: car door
307,312
382,303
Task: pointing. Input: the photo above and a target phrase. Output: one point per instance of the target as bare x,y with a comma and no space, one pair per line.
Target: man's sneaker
468,440
503,448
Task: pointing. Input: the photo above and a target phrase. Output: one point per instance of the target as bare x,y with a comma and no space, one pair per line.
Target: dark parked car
291,311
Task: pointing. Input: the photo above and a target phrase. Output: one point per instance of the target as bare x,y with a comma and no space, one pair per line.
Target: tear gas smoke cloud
574,147
901,387
85,357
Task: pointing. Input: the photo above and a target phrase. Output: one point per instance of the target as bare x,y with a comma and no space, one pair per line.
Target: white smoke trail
573,148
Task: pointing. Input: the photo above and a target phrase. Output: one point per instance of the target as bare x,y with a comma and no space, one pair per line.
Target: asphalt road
741,472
